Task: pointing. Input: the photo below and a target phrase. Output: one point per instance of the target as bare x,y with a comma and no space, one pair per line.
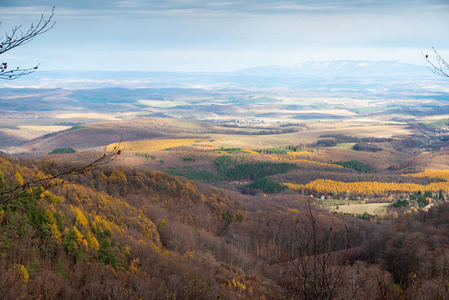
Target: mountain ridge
340,68
272,74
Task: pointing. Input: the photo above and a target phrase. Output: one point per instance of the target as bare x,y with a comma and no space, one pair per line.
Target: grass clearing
369,208
386,131
43,128
26,132
307,136
381,210
160,103
85,116
345,146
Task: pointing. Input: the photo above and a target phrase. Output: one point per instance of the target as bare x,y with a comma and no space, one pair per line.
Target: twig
18,38
441,67
105,159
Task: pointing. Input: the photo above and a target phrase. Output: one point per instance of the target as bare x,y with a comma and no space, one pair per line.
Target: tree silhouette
17,38
440,66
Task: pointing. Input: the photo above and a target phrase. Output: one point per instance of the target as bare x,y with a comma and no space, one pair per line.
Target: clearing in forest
369,208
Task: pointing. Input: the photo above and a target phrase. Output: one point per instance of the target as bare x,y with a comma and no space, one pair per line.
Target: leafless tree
438,66
319,268
17,38
9,280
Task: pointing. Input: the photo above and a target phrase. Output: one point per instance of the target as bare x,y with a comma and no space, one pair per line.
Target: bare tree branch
14,74
18,38
440,67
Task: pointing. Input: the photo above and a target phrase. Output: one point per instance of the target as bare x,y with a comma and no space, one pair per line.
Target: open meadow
360,209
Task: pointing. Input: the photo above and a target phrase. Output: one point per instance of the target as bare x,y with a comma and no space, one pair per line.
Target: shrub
62,151
264,184
326,143
231,169
355,165
190,159
77,127
366,147
274,151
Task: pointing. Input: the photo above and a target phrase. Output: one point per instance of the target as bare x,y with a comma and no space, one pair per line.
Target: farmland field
97,116
369,208
162,185
151,145
305,137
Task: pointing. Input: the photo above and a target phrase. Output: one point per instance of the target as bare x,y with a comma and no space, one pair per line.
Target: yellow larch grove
373,187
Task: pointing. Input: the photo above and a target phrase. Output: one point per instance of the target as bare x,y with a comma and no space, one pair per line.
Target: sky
223,35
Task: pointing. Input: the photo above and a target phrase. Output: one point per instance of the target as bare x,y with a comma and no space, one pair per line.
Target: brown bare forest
130,233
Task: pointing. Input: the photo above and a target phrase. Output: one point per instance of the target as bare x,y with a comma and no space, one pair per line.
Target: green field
345,146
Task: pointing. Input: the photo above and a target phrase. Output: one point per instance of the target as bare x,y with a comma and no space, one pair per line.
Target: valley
184,130
237,187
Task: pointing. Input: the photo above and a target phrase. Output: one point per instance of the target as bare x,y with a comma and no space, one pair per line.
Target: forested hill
84,239
122,233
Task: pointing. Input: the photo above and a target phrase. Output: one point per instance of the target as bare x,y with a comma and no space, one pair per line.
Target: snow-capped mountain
343,68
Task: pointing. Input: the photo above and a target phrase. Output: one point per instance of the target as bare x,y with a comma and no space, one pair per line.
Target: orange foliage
432,173
151,145
297,153
367,187
249,151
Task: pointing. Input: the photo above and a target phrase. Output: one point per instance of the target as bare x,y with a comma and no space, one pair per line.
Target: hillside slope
83,239
117,232
104,133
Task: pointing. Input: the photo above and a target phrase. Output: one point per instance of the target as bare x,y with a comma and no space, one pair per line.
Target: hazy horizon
219,36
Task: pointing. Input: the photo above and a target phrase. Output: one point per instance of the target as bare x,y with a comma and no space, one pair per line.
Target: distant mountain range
302,75
342,68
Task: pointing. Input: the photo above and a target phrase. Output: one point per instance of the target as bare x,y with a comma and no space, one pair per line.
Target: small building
427,207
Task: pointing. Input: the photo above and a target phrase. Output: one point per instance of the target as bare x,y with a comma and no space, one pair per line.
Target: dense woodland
133,233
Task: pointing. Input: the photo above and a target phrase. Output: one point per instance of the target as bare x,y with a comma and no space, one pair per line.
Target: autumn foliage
117,232
377,188
151,145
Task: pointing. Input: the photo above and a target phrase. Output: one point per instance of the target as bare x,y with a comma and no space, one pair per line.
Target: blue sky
189,35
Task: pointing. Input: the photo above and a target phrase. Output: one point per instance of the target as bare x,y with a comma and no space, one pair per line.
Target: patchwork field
245,140
228,185
95,116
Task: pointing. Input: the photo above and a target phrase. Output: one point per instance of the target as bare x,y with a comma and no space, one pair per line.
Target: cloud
196,34
236,7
